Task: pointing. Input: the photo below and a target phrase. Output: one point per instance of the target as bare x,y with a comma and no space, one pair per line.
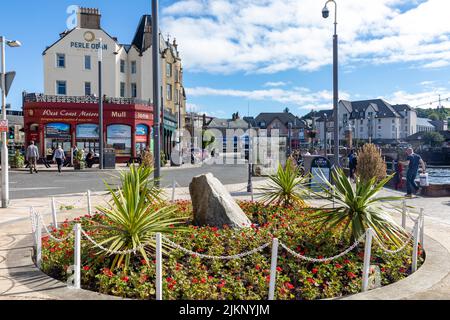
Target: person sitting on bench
90,159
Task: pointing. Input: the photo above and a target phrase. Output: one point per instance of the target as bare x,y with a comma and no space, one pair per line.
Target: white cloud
299,96
424,99
268,36
275,84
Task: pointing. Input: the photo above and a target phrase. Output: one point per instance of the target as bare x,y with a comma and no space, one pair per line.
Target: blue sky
265,54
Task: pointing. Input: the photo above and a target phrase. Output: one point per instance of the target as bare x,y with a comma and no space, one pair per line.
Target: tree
434,116
370,163
433,138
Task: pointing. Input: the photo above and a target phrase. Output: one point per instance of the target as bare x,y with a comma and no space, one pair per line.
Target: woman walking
59,157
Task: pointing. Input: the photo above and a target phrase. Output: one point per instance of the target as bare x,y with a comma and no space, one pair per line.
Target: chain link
403,246
74,204
112,252
49,233
302,257
205,256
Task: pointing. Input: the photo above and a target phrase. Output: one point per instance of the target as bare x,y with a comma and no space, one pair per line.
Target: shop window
87,137
57,134
119,138
142,142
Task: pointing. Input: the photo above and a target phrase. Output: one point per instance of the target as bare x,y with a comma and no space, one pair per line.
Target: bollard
416,246
89,203
54,218
367,254
77,256
159,267
253,195
422,223
273,269
174,185
404,214
38,242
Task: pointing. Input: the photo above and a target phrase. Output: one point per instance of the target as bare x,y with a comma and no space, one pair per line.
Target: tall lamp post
100,104
4,160
156,92
325,14
325,129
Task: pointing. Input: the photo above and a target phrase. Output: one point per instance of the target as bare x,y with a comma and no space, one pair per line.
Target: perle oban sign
87,45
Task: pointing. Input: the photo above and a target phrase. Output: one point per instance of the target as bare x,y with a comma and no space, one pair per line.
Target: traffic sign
4,126
8,80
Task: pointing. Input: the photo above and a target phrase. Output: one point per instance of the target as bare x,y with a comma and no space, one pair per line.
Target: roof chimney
88,18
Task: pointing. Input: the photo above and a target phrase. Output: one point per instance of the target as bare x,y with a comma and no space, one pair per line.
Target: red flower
143,262
289,286
203,280
346,261
221,284
86,268
125,279
279,269
337,265
107,272
311,280
315,270
210,277
194,280
258,267
351,275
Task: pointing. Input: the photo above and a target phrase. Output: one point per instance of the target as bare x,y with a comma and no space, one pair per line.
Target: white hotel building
71,77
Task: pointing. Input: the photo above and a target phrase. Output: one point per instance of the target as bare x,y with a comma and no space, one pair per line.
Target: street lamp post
100,104
156,92
325,14
325,129
250,158
4,149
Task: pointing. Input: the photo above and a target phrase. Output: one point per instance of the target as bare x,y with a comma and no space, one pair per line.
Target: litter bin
109,158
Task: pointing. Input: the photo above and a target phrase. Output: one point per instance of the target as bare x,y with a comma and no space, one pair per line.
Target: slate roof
359,108
228,124
424,122
320,115
419,135
284,117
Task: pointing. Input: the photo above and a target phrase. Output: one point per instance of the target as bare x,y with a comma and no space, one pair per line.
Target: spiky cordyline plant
286,187
358,207
131,218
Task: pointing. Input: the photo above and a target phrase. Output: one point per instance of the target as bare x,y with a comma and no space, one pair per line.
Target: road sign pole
4,149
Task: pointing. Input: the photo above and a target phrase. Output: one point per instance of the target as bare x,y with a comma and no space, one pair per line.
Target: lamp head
325,12
13,43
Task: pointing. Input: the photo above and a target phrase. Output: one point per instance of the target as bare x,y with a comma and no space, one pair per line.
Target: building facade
71,86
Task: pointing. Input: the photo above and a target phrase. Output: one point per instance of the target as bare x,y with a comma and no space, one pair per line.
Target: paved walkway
19,279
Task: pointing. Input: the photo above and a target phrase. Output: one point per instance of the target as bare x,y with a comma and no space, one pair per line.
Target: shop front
68,124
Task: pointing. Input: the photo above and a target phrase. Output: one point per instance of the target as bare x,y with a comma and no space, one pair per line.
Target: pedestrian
59,157
398,177
352,163
412,161
32,155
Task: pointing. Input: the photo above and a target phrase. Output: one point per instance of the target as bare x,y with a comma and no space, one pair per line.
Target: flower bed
189,277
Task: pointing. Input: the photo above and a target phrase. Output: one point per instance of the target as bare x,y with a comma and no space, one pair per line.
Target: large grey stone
213,205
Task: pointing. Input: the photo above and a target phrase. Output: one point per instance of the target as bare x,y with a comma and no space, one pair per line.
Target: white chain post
273,269
416,246
404,214
89,203
55,219
422,223
159,266
38,243
174,185
77,256
367,254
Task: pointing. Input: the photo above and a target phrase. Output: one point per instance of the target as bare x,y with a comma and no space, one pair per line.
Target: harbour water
439,175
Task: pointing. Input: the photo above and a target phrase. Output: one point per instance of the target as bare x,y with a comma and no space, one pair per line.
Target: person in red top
398,178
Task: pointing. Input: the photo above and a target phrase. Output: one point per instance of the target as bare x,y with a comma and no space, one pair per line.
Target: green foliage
188,277
433,114
131,218
287,187
370,163
18,161
358,207
433,138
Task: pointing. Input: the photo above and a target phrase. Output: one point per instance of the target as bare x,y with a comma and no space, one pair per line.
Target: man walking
32,155
413,161
59,157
